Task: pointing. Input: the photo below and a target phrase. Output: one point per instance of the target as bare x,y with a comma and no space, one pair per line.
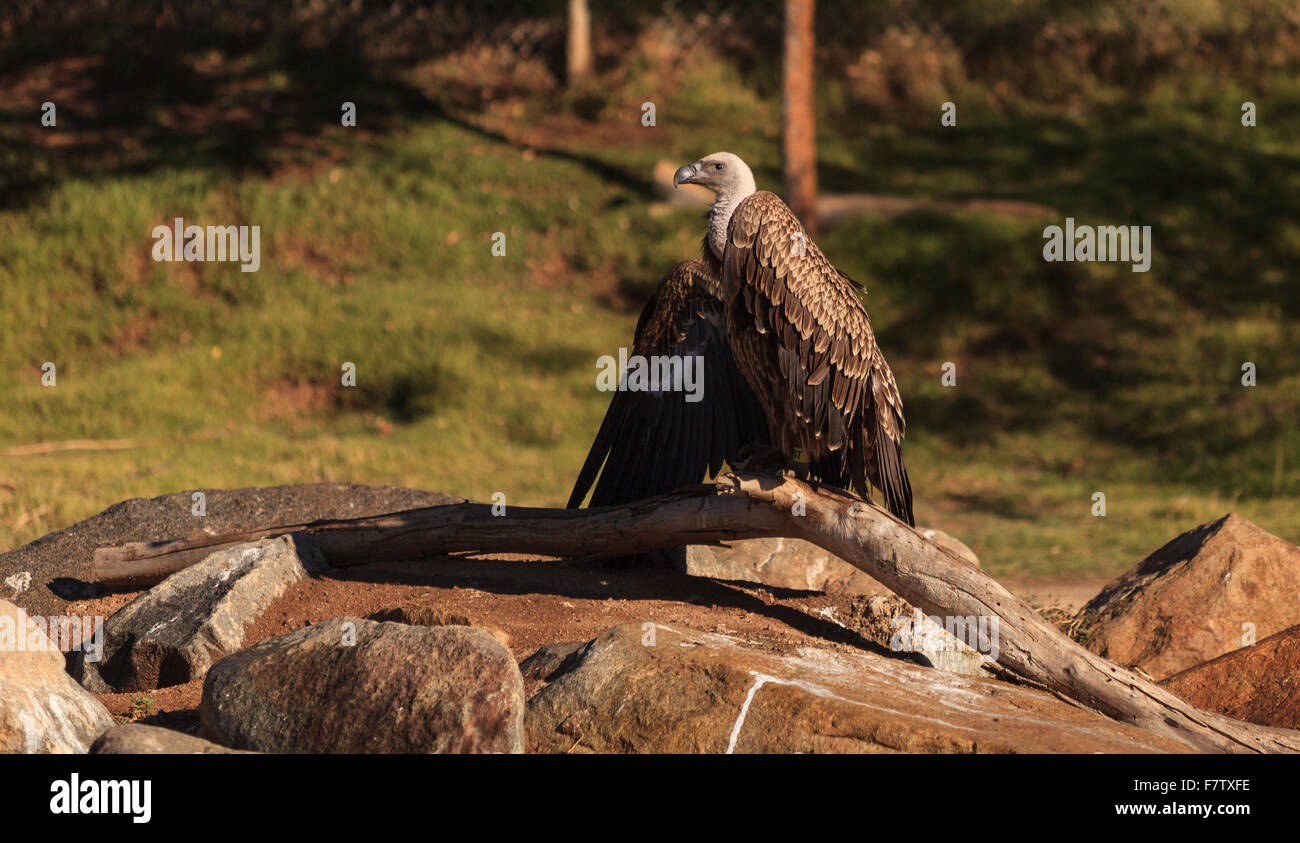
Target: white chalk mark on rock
759,680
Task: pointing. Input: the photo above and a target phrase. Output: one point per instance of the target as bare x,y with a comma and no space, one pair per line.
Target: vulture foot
799,471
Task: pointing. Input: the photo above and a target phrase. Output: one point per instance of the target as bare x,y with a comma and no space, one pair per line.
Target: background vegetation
476,374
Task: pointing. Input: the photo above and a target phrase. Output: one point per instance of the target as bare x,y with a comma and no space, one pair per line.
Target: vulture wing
832,377
654,441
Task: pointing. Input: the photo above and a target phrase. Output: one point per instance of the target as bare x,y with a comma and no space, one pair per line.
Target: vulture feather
790,361
654,441
801,337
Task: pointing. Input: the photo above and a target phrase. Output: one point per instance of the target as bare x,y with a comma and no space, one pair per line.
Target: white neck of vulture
720,215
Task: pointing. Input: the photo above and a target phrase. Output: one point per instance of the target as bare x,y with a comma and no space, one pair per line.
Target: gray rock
173,632
41,708
682,691
354,685
420,615
957,645
798,564
139,739
58,566
933,638
551,660
784,563
701,561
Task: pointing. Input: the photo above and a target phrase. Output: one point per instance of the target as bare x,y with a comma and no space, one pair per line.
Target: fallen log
690,516
743,507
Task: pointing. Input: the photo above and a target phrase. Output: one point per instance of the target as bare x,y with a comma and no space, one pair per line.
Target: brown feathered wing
802,338
652,442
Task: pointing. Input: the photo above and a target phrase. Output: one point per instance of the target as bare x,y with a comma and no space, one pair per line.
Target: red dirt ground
535,602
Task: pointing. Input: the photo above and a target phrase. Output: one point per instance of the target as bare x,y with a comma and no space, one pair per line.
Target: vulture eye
717,166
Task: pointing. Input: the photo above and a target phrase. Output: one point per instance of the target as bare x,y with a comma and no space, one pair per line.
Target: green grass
476,373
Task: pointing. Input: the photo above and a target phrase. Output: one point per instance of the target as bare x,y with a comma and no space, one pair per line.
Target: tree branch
745,507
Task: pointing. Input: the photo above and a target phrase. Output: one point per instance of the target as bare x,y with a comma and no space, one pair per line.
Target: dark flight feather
651,442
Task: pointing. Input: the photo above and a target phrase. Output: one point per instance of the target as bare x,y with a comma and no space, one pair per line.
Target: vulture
655,440
764,302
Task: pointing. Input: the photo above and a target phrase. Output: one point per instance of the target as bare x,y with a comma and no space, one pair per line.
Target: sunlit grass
475,373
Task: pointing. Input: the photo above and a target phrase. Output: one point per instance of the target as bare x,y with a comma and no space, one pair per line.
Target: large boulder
57,567
1259,683
354,685
550,660
798,564
139,739
654,688
1198,597
417,614
175,631
41,708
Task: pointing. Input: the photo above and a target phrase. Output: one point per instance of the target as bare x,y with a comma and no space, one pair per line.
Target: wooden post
798,111
578,46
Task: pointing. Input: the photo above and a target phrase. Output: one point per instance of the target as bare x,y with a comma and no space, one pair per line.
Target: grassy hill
476,374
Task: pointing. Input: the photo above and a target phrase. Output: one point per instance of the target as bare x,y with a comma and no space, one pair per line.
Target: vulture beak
686,174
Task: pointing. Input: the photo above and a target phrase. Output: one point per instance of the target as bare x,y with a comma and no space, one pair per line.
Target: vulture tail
877,460
894,483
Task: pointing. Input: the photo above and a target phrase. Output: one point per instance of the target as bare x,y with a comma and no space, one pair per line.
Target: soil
537,601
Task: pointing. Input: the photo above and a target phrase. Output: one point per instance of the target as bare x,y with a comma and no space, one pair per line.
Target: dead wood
744,507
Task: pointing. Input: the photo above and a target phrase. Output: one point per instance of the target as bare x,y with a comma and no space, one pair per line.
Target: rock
895,625
59,564
1259,683
957,645
798,564
685,691
355,685
41,708
172,633
139,739
701,561
551,660
781,562
1187,602
876,613
417,615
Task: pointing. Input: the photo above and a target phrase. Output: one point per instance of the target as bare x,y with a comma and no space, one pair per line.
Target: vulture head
723,173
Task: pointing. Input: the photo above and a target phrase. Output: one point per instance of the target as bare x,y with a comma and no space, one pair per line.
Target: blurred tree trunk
798,113
578,47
